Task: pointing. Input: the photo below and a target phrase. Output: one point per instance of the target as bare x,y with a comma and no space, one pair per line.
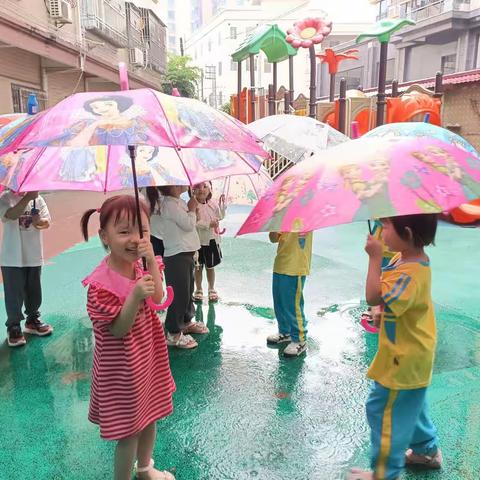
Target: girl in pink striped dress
132,385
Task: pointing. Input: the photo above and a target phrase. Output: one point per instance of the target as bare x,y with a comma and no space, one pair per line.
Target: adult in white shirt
180,238
24,216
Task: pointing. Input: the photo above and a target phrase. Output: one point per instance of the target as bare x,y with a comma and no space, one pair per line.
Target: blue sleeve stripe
395,288
404,286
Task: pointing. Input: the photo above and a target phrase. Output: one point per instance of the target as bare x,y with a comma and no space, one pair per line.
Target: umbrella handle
220,232
369,328
162,306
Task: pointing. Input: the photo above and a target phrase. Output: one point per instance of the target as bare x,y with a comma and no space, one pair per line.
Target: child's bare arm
373,290
17,210
274,237
144,288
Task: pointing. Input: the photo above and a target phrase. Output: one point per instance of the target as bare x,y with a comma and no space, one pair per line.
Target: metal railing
420,10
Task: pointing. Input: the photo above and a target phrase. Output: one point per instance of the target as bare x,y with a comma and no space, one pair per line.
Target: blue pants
398,420
288,305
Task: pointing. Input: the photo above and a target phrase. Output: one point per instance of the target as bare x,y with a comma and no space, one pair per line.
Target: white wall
425,60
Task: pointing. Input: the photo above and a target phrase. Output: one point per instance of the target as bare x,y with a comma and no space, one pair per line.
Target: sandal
212,295
153,474
198,296
196,327
185,342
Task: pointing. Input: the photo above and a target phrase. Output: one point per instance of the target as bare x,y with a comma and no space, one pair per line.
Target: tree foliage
181,75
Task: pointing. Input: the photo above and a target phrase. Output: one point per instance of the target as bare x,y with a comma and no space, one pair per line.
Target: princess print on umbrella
373,194
150,172
107,120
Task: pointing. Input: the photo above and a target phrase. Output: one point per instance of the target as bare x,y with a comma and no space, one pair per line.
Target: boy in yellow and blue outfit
290,269
401,429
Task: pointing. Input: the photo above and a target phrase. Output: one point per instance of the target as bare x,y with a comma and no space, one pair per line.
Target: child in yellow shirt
401,429
291,267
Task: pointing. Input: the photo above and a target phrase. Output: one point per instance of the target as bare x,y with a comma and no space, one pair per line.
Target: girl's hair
114,208
423,227
209,196
124,103
153,197
165,190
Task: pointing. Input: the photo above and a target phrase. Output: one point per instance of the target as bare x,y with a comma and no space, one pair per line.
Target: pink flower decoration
308,32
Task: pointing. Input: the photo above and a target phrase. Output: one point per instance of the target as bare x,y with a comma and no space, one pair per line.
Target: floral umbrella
294,137
367,178
85,143
243,189
466,213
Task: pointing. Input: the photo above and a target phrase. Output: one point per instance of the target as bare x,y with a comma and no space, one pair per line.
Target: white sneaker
294,349
278,338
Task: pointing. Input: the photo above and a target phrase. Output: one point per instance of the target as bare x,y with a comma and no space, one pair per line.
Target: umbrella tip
123,74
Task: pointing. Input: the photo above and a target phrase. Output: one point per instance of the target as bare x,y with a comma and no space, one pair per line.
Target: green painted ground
241,410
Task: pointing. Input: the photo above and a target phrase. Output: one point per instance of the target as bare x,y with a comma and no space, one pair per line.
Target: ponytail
84,222
153,197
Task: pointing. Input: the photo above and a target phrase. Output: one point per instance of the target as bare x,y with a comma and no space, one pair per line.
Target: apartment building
57,47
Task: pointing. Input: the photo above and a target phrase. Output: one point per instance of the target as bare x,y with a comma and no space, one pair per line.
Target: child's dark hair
153,196
124,103
114,207
209,196
423,227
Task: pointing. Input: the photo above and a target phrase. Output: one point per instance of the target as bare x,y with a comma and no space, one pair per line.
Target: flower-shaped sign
332,59
308,32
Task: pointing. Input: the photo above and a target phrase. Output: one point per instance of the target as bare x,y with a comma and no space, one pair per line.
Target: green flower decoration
384,29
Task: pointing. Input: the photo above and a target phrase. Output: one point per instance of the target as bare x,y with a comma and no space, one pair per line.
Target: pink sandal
196,327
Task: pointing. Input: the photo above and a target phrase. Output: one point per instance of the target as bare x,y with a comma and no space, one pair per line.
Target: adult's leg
33,292
178,276
280,293
392,416
125,454
14,291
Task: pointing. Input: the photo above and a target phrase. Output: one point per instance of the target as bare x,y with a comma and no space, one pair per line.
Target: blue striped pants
288,305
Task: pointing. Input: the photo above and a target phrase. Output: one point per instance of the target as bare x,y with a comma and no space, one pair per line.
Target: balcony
107,19
155,38
420,10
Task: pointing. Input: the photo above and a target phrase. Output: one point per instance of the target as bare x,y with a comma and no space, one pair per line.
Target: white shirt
155,226
22,244
177,226
207,213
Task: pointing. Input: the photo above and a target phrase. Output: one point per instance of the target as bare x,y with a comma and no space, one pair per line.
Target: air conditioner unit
60,11
136,57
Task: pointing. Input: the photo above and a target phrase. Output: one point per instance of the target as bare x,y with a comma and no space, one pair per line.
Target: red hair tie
98,210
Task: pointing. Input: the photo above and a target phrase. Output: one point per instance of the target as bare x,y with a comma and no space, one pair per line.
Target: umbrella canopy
367,178
295,137
81,144
243,189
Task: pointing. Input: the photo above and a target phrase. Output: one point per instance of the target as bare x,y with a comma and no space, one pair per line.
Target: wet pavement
242,411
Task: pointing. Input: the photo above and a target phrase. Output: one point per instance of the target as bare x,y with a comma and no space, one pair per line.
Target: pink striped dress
132,384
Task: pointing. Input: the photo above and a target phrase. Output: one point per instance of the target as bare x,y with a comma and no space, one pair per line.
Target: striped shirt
132,384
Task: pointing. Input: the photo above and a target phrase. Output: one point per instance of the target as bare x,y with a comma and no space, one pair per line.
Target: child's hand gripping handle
160,306
220,232
367,326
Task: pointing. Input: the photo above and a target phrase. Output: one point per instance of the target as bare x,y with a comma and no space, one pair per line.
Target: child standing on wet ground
24,216
401,429
132,385
209,214
180,238
290,270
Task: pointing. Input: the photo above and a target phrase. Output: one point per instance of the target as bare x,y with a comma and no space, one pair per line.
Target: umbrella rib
107,167
34,162
175,139
183,165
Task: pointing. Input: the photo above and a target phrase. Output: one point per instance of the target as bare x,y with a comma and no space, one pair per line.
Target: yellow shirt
407,338
294,254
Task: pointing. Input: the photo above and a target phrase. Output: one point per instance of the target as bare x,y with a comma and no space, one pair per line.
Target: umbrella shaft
131,149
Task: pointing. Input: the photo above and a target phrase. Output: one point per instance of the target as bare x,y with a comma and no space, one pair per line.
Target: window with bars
449,63
20,95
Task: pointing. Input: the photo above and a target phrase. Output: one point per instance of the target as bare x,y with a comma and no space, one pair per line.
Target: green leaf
384,29
181,75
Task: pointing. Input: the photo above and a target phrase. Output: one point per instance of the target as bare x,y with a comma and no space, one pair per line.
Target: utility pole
182,51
